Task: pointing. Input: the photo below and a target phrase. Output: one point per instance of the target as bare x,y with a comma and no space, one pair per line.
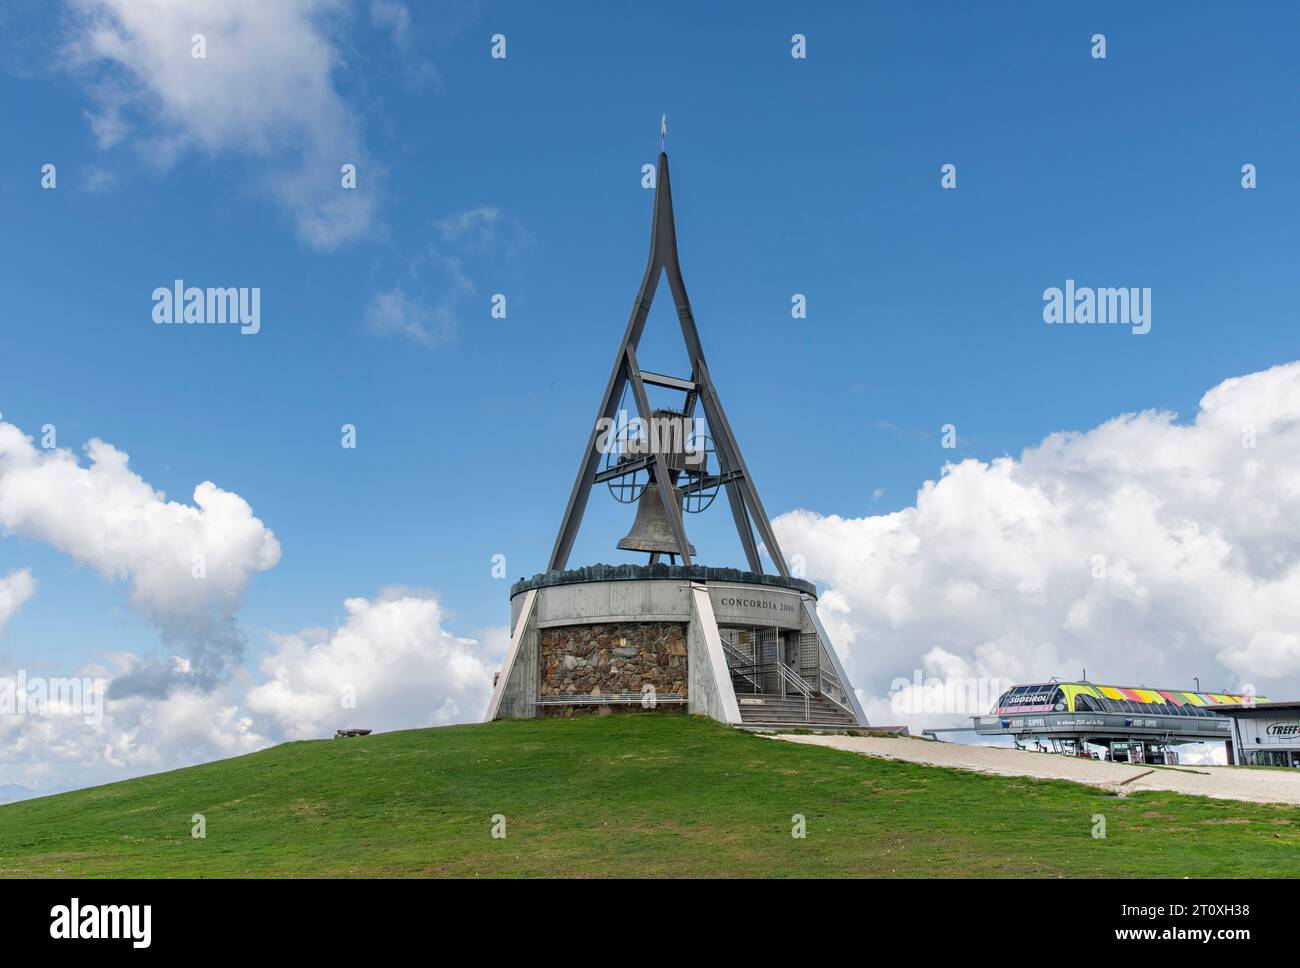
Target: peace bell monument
744,647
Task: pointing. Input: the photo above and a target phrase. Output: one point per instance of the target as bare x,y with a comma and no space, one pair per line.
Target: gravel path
1227,783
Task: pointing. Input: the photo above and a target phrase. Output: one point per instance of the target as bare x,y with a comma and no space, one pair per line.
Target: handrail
738,669
742,662
751,670
828,677
800,686
601,699
852,714
792,679
735,652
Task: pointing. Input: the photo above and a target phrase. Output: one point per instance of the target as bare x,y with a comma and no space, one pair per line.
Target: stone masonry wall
602,660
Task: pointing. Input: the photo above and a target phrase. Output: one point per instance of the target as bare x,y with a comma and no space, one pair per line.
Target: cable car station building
743,647
1133,723
1265,733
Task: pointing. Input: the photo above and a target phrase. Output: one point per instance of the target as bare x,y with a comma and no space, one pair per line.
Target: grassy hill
636,795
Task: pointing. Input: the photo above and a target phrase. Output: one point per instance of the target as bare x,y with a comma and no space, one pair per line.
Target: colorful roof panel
1149,697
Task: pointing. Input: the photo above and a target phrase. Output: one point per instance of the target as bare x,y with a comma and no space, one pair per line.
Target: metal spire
746,507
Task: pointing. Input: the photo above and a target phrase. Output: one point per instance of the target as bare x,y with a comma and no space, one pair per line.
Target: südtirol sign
734,605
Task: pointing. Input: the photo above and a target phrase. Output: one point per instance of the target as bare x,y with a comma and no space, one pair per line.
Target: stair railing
737,664
748,674
831,688
789,679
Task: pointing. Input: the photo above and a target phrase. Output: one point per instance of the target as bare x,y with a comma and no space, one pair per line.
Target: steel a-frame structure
733,474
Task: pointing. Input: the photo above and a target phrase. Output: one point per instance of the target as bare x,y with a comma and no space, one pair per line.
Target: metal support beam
722,430
670,382
577,505
622,470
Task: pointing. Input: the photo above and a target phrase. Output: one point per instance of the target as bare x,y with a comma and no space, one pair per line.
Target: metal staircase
771,694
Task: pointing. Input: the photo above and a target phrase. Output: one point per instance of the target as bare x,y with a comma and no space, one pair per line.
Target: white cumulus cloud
131,736
1146,550
186,565
390,665
15,589
391,657
264,90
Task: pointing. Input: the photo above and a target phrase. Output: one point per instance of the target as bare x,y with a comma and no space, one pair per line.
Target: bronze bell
650,530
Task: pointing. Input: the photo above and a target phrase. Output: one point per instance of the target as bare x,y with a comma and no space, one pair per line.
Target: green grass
632,795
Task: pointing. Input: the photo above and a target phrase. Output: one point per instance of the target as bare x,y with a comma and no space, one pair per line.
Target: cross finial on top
663,130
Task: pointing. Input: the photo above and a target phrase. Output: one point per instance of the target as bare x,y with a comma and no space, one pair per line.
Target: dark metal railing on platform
778,680
600,699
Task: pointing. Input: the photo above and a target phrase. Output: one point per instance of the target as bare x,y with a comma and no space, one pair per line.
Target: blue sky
817,176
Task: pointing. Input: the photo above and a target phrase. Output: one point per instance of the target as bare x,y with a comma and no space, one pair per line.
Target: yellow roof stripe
1073,690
